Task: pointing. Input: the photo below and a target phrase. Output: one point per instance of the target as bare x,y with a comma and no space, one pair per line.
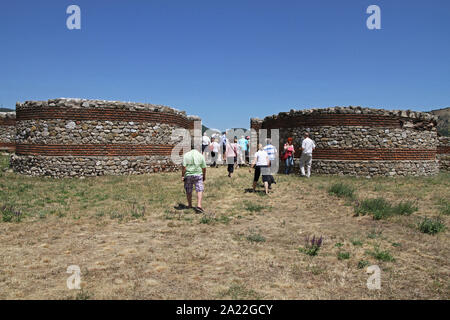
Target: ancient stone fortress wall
361,141
7,131
443,153
75,137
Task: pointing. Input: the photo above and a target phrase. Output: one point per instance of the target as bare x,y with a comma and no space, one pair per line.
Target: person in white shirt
272,153
261,164
308,147
214,147
206,141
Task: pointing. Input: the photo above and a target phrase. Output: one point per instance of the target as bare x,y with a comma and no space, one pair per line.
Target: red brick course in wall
87,150
7,122
443,149
334,120
104,114
7,146
373,154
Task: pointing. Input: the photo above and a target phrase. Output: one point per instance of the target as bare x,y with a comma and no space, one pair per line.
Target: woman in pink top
231,154
289,151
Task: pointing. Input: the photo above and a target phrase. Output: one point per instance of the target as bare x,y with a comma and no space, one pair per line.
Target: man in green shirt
194,173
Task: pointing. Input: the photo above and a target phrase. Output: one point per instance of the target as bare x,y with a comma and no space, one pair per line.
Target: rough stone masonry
361,141
76,137
443,153
7,131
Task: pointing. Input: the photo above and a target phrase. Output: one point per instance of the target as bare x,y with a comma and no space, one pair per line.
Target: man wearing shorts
193,173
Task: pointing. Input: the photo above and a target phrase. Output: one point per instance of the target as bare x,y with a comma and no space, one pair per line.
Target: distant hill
6,110
443,124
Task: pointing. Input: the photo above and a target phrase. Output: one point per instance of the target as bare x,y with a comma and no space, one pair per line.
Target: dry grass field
132,243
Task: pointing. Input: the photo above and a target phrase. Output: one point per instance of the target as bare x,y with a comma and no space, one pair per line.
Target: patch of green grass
255,237
239,292
444,207
253,207
4,162
206,219
117,215
315,270
224,219
10,214
356,242
431,226
381,255
343,255
373,234
396,244
83,295
338,245
362,264
405,208
138,212
342,190
312,250
380,208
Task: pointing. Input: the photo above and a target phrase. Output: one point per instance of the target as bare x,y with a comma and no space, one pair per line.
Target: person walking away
238,148
272,153
289,152
193,173
214,147
231,153
223,142
261,164
243,143
308,147
247,150
206,141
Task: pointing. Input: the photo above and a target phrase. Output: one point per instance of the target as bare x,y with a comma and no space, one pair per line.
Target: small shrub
312,246
343,255
431,226
9,214
83,295
342,190
404,208
255,237
356,242
379,208
381,255
362,264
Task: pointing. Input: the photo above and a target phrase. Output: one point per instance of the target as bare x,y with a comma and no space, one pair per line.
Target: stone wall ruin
75,137
361,141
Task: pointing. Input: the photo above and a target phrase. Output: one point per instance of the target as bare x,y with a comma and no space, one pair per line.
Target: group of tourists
219,149
235,153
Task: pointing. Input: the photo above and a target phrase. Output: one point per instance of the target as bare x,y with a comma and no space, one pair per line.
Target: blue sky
227,61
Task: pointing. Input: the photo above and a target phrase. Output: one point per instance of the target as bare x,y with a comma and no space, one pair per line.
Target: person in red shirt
288,155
